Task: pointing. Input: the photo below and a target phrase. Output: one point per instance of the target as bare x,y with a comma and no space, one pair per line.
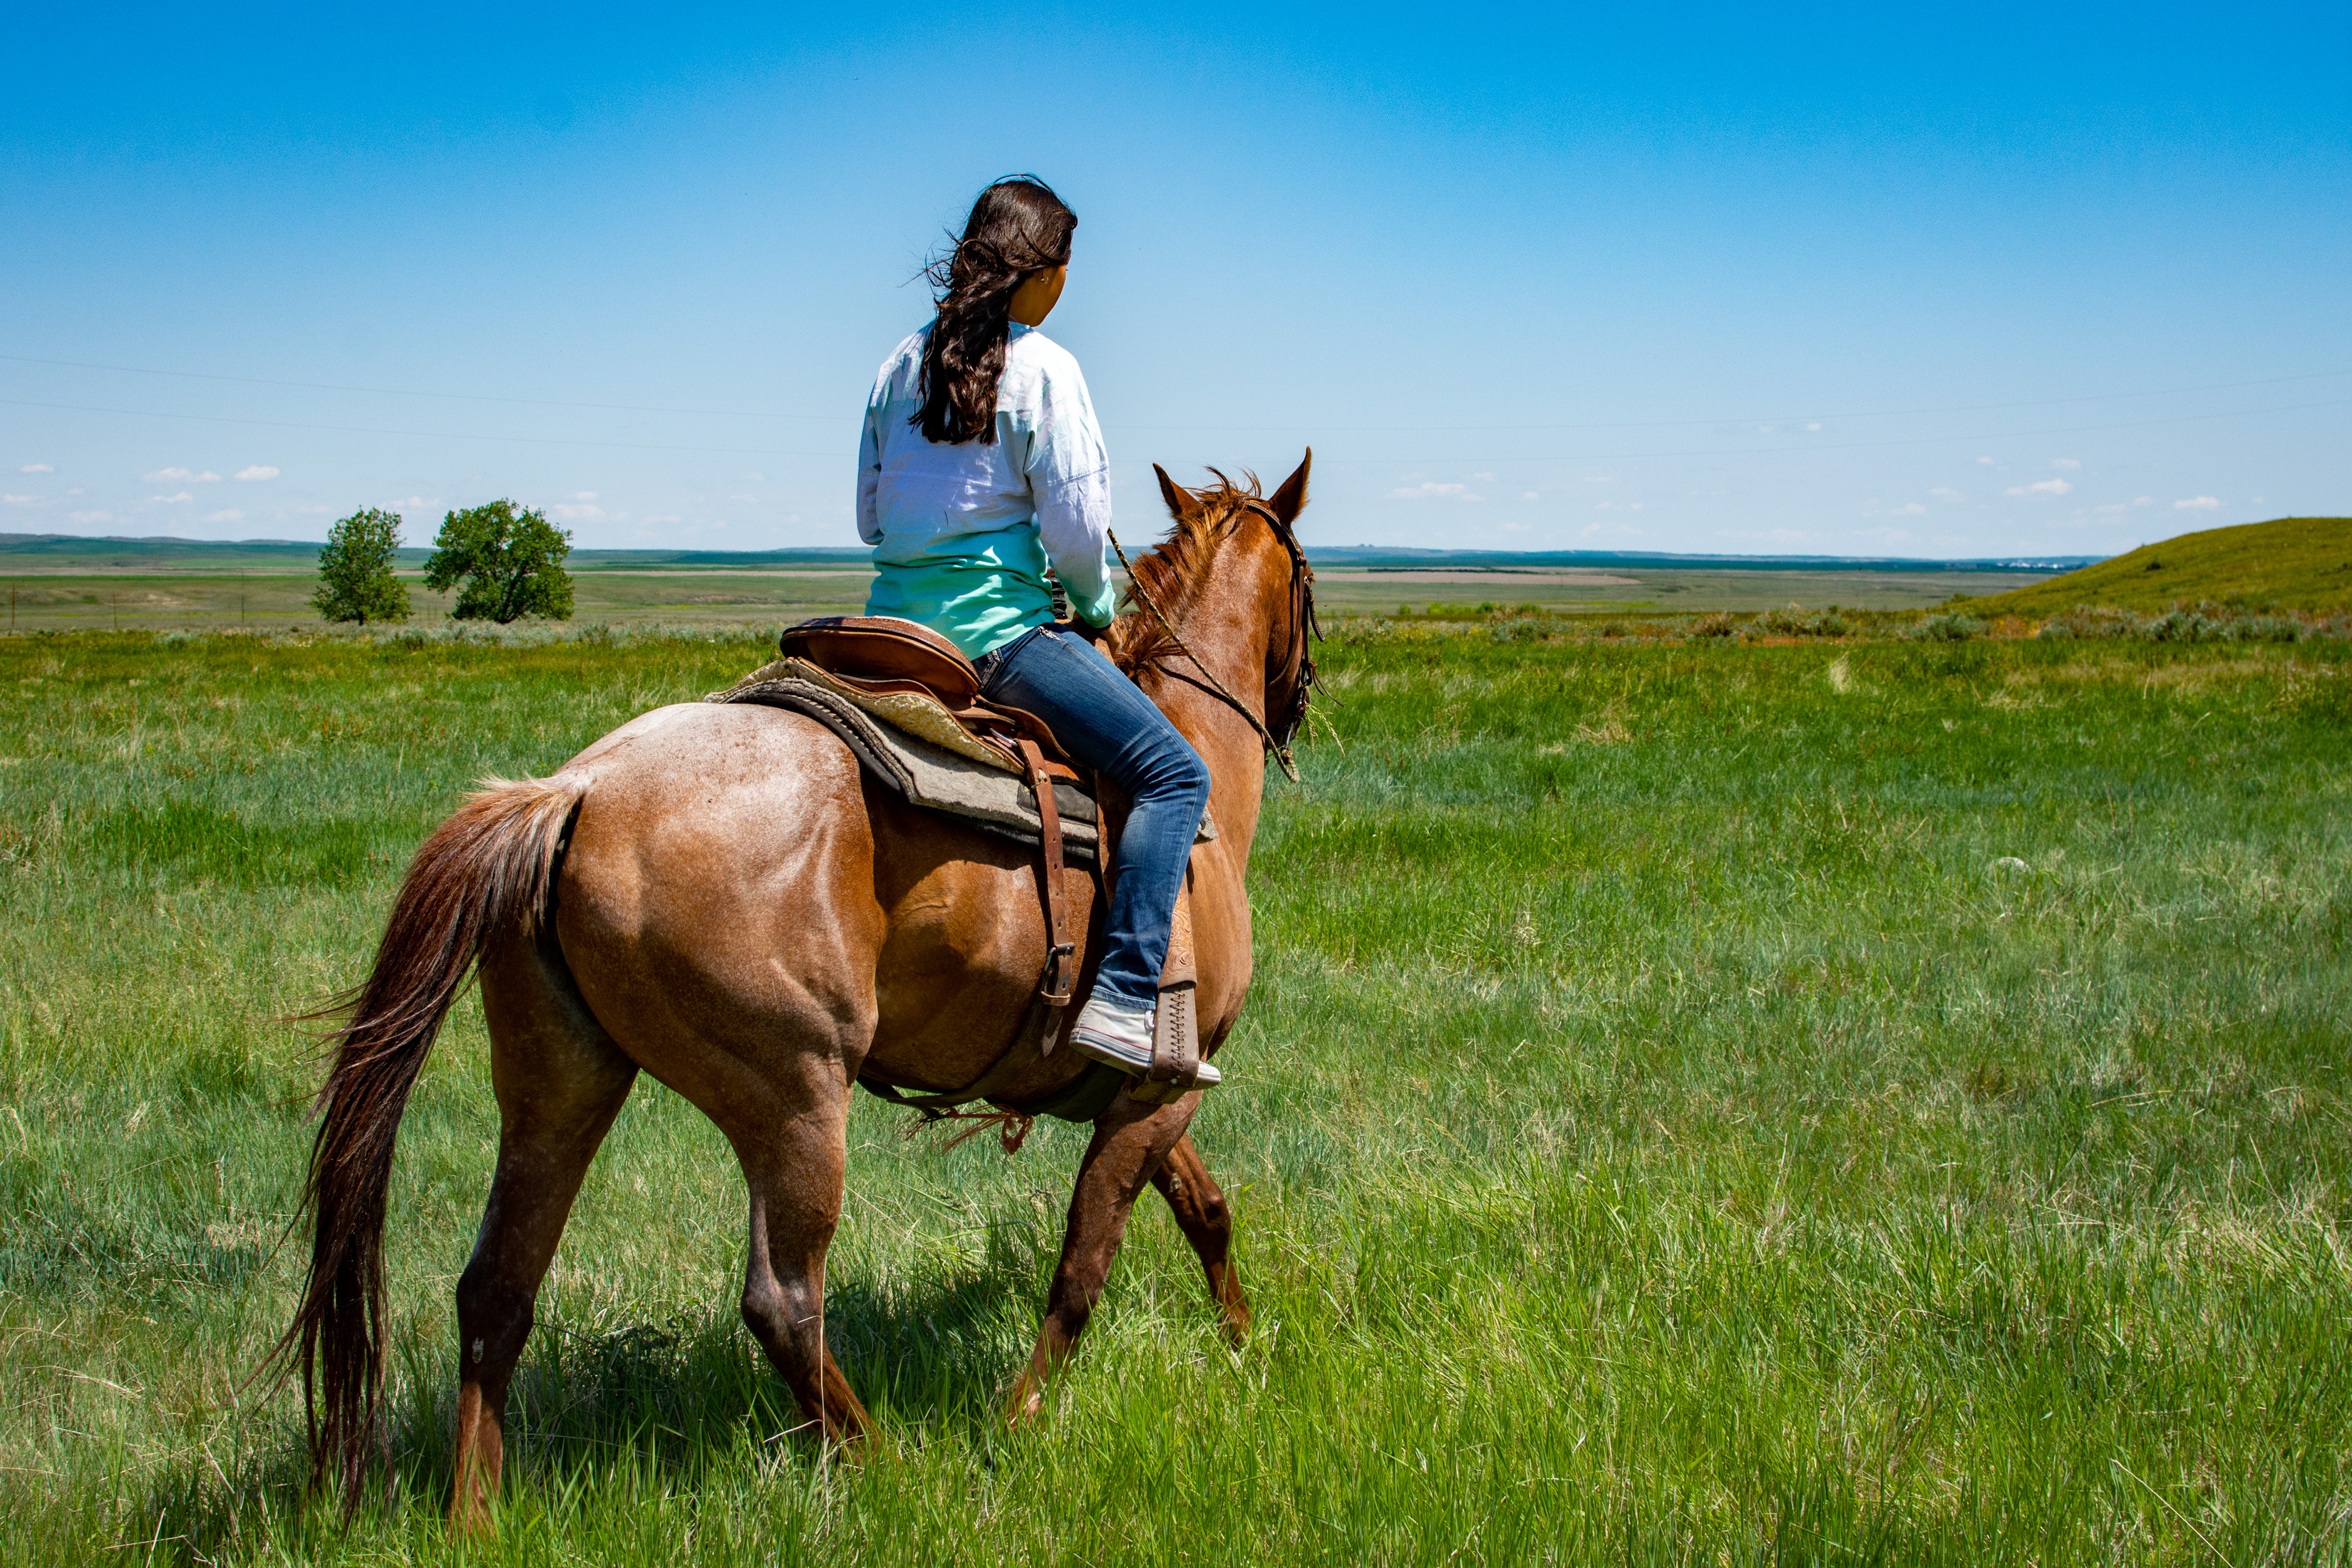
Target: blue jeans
1104,721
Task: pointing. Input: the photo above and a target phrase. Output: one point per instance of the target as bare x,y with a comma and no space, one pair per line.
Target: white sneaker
1120,1036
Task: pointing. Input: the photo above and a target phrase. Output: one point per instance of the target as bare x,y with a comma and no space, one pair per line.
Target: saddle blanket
926,774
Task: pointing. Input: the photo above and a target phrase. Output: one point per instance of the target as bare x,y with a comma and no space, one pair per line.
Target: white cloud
1592,527
1484,478
257,471
20,500
1617,506
2068,463
585,513
36,468
1530,496
583,495
419,502
232,515
2043,488
2143,501
184,476
1909,509
2196,503
92,515
1984,462
1814,425
1945,492
171,501
1430,489
1515,528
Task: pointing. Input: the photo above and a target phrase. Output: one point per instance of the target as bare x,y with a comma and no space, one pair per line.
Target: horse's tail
485,871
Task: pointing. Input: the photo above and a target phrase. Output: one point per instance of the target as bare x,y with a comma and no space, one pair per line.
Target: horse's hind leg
1130,1143
795,1173
559,1080
1207,1222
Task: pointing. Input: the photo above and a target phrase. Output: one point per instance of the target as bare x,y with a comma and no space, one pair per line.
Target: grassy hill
2297,563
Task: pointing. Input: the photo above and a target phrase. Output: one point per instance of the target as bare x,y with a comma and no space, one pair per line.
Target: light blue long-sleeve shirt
962,534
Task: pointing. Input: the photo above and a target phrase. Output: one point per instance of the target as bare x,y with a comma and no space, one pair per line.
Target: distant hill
1390,558
2299,562
165,555
54,552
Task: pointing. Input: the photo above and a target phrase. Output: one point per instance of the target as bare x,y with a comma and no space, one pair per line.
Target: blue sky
1752,279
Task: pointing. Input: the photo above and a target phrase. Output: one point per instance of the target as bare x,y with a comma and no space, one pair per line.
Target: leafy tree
510,561
355,580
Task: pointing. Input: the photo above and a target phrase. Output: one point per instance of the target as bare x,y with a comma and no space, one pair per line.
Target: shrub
1794,622
1950,627
2205,622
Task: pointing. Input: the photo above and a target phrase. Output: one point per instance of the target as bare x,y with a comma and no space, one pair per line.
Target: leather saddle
886,657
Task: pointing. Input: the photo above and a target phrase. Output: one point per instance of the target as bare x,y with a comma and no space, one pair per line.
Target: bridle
1298,668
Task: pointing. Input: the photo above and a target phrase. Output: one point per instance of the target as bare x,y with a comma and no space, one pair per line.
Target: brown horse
717,895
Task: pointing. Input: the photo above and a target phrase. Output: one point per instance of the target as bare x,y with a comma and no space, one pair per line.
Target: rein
1302,620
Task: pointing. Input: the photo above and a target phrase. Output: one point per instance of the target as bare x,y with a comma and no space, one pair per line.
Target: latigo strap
1060,979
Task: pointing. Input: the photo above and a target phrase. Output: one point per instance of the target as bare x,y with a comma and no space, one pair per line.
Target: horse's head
1231,585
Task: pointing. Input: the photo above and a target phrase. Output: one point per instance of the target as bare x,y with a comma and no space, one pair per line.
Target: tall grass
1699,1103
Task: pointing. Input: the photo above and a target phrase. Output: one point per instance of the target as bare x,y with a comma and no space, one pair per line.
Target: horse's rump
742,855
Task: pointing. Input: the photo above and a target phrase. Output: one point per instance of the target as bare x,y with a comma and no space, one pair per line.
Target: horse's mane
1175,573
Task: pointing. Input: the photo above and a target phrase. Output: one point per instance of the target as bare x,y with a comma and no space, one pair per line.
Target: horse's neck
1228,627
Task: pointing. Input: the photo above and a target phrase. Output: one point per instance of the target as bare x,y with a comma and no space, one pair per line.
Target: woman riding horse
713,894
982,464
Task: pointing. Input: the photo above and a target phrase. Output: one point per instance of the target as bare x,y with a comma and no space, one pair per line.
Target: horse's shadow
930,1358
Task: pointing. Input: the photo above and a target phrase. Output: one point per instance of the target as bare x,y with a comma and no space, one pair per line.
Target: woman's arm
869,465
1069,476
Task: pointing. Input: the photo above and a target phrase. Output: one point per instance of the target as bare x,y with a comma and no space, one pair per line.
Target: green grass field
1700,1103
2293,562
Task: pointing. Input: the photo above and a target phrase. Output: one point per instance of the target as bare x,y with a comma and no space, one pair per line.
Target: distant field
205,601
1729,1103
1667,590
181,601
2296,563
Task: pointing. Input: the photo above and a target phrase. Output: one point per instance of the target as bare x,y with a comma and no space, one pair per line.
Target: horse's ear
1291,499
1181,501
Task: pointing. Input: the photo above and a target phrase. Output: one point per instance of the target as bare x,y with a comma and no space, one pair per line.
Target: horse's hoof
1027,1402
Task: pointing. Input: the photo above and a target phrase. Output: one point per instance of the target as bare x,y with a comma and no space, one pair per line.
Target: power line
1333,429
1852,445
1515,457
409,391
428,435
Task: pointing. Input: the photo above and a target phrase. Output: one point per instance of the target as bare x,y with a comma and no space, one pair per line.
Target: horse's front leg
1130,1142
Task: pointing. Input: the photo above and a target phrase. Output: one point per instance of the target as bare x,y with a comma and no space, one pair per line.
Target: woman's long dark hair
1018,228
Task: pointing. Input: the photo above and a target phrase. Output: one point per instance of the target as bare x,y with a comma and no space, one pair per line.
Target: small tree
355,580
510,561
